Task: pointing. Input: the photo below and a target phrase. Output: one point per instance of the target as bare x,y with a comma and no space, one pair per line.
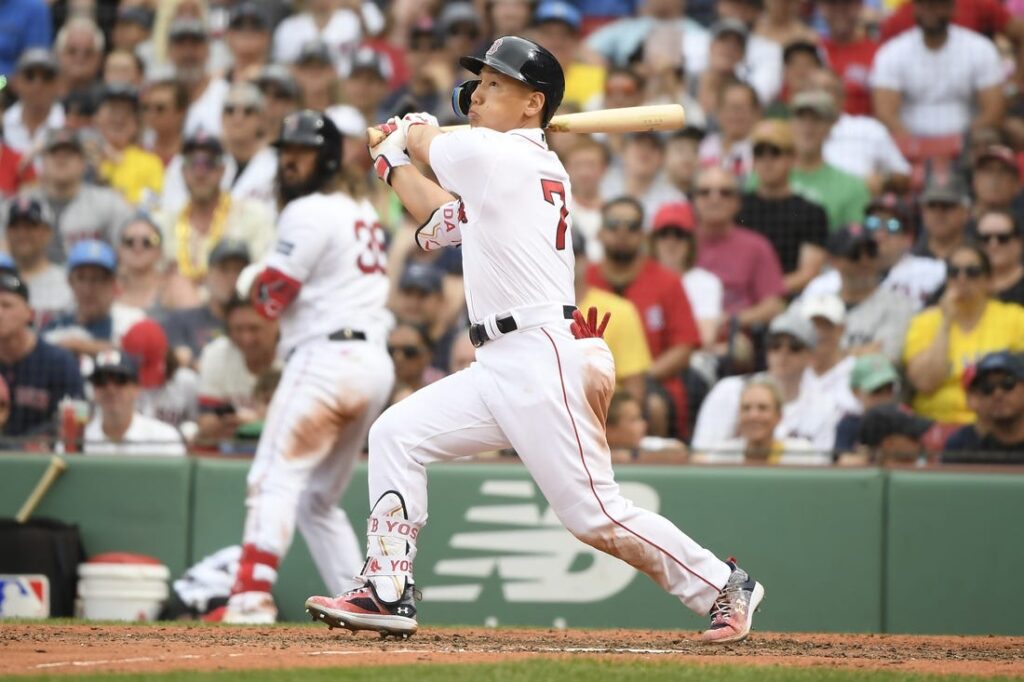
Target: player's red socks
257,570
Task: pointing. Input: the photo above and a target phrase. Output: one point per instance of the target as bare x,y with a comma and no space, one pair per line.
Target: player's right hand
588,328
390,153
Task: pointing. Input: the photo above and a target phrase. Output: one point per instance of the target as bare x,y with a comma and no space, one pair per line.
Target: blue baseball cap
421,277
556,10
92,252
999,361
6,262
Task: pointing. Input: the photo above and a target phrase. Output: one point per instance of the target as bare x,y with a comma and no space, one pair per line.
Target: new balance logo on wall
535,558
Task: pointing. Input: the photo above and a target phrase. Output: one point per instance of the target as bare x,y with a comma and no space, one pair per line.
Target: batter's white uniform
537,389
330,391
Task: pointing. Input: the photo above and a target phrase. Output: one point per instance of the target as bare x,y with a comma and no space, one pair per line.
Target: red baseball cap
675,214
147,341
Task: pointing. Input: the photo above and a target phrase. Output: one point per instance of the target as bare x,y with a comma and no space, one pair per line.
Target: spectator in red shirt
744,260
850,52
664,308
15,171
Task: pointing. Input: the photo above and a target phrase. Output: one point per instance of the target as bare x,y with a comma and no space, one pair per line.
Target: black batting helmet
308,128
523,60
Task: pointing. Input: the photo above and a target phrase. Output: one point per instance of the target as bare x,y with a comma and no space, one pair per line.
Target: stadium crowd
825,265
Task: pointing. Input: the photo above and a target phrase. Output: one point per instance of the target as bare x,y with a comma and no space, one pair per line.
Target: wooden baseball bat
56,468
656,117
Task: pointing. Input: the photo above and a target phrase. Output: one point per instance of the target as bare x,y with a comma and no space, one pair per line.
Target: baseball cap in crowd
944,189
7,263
120,92
80,102
872,372
314,51
557,10
421,277
227,249
202,141
690,132
62,138
821,103
369,59
115,363
796,325
280,77
136,14
248,15
38,58
186,27
1000,361
730,26
11,282
146,342
851,242
890,419
456,13
92,252
29,209
245,95
828,306
674,214
1000,153
774,132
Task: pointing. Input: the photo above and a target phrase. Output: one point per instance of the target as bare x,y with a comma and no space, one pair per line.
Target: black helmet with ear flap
461,96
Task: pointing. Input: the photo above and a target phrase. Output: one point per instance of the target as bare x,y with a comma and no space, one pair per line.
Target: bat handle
56,468
374,136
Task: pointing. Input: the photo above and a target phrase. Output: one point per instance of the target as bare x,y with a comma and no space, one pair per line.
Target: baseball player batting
325,282
543,375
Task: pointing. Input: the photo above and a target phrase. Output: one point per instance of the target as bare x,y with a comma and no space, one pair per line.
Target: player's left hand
390,152
588,328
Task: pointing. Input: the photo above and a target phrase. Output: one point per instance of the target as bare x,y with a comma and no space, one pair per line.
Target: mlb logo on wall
24,596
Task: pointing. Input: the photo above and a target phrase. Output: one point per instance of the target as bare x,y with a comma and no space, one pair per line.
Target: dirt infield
64,648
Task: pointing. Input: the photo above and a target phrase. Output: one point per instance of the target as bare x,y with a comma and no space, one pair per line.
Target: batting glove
390,153
588,328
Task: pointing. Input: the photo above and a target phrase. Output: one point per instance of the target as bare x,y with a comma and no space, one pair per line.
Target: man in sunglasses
996,183
796,227
876,317
37,108
248,40
39,374
118,428
995,391
945,211
251,162
188,50
29,231
419,301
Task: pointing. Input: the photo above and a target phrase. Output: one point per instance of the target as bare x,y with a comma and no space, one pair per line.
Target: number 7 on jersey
551,189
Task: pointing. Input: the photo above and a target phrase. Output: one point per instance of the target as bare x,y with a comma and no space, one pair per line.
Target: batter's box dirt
74,648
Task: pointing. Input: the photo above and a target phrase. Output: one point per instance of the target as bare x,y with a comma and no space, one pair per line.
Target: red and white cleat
732,614
360,609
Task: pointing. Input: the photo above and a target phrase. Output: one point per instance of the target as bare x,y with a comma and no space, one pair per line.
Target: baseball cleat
250,608
732,614
360,609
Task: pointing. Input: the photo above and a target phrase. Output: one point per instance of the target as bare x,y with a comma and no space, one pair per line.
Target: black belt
478,333
347,335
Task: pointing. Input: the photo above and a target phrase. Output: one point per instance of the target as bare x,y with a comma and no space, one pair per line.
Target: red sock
246,581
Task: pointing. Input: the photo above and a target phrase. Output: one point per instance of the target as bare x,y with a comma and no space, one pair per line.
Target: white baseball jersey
516,241
334,246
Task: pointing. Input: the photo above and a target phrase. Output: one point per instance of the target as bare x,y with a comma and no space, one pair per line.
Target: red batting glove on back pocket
588,328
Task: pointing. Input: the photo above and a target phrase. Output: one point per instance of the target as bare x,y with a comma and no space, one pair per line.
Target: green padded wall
955,553
120,503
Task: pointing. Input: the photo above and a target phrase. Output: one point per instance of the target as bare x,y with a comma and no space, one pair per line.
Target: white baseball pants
546,394
316,426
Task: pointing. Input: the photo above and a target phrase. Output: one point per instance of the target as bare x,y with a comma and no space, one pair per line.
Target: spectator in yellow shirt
556,26
126,167
625,333
944,340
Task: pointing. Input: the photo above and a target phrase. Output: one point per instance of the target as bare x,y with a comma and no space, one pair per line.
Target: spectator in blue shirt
23,24
38,375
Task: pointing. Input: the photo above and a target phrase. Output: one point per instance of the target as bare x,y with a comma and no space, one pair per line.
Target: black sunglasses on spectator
724,192
101,380
776,343
891,225
277,93
866,249
32,75
996,237
408,352
762,150
616,225
969,271
989,386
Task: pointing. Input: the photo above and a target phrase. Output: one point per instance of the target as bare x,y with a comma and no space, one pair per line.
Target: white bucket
119,586
141,602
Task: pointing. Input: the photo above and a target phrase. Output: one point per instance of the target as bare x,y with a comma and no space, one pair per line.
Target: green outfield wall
838,550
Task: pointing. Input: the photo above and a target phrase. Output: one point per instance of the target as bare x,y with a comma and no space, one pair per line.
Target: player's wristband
386,163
